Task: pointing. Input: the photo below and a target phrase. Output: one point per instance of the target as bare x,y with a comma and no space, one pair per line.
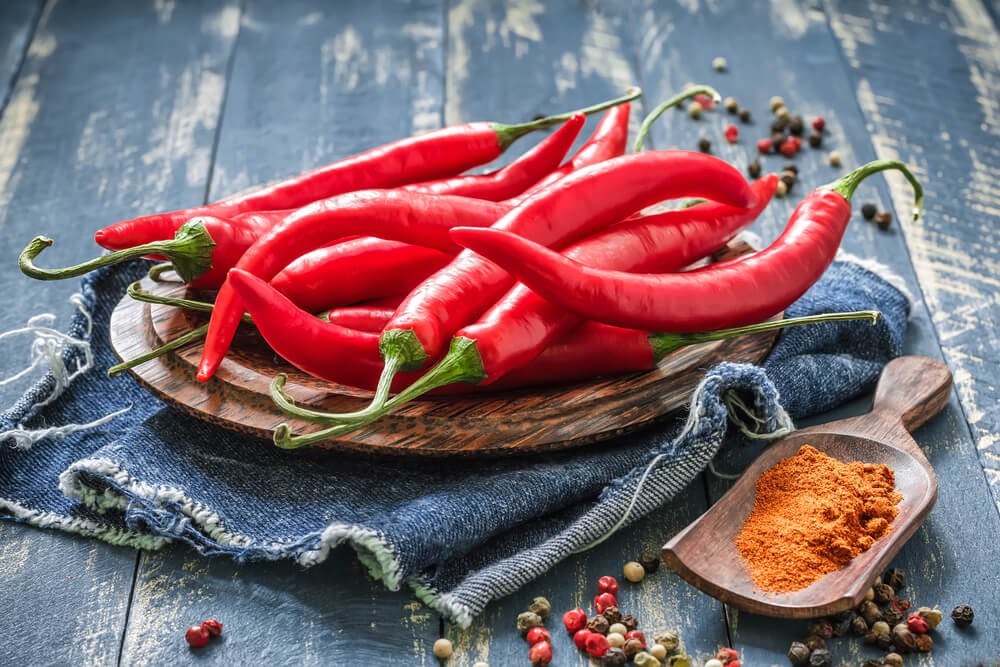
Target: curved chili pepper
357,270
521,325
442,153
514,178
747,290
362,318
393,214
575,206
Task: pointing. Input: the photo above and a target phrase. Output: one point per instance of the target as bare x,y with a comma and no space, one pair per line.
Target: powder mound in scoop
812,515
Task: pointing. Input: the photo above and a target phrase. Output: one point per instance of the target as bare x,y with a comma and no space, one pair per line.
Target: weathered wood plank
90,136
17,22
507,62
311,82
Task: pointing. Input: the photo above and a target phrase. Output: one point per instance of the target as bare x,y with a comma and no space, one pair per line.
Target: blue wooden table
117,108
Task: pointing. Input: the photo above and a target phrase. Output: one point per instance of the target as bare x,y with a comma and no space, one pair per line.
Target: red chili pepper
736,293
403,216
516,177
362,318
357,270
442,153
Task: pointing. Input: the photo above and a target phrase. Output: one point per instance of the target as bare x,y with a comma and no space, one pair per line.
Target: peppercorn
868,211
883,219
481,664
704,145
196,636
540,606
782,189
818,123
904,640
871,637
815,140
789,148
631,647
613,615
870,611
650,562
962,615
714,662
820,658
924,643
884,641
658,651
895,578
779,125
775,102
635,634
527,620
213,627
617,628
597,645
669,640
580,638
744,115
777,140
574,619
754,169
872,663
859,627
719,64
782,112
764,146
616,639
607,584
603,601
834,159
900,605
932,616
788,178
598,624
892,617
842,623
880,627
537,634
632,570
798,654
795,125
732,134
694,110
643,659
869,595
540,654
732,106
615,657
883,593
916,624
630,622
814,642
442,648
893,660
706,101
680,660
821,628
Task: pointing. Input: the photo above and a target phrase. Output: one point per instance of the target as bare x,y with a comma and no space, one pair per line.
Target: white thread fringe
48,347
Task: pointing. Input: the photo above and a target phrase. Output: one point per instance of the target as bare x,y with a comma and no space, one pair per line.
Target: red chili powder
812,515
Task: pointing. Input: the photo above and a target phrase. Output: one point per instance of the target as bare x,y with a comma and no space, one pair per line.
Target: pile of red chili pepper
428,279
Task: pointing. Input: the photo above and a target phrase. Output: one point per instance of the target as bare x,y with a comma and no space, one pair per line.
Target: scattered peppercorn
213,627
903,640
714,662
719,64
932,616
818,123
580,638
777,140
893,660
694,110
916,624
781,190
732,134
924,643
881,627
821,628
617,640
792,167
859,627
527,620
868,210
779,124
795,125
884,641
754,169
892,617
883,219
537,634
669,640
820,658
788,179
798,654
633,571
540,606
615,657
814,642
870,637
635,634
442,648
870,611
744,115
705,101
597,645
574,620
630,622
631,647
834,159
872,663
782,112
607,584
704,145
884,593
650,562
775,102
726,655
962,615
598,624
900,605
617,628
658,651
540,654
870,594
196,636
679,660
613,615
815,140
481,664
764,145
643,659
732,106
603,601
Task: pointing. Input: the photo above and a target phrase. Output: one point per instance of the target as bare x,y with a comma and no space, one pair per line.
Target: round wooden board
537,419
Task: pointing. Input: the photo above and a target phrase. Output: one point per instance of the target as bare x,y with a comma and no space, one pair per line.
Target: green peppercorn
630,622
884,641
962,615
669,640
893,660
613,614
814,642
650,562
820,658
598,624
744,115
895,578
615,657
859,627
527,620
883,593
924,643
643,659
541,607
904,641
931,616
798,654
868,211
679,660
704,145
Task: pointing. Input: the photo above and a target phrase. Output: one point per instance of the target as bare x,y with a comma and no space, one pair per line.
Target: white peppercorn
442,648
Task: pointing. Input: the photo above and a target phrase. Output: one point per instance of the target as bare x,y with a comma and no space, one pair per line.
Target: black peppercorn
777,138
630,622
779,124
962,615
798,654
704,145
732,106
744,115
859,627
904,641
821,628
615,657
924,643
814,642
884,641
820,658
795,125
794,168
842,623
895,578
883,593
754,169
868,211
870,612
650,562
788,179
892,617
598,624
612,614
883,219
815,140
893,660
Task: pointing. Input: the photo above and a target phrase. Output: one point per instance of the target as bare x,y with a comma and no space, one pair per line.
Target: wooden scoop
910,391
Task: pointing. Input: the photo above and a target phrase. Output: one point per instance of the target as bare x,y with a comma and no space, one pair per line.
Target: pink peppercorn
704,100
603,601
536,635
789,149
607,585
540,654
597,645
196,636
819,123
725,655
213,627
574,619
580,638
764,145
635,634
732,134
917,624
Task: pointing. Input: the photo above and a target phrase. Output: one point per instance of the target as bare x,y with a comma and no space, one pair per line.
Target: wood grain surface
121,108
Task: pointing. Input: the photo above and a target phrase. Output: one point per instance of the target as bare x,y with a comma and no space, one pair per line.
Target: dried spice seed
880,627
893,660
669,640
892,617
795,125
822,629
834,158
962,615
538,634
704,145
196,636
916,624
681,660
540,654
814,642
884,641
213,627
442,648
607,584
630,622
613,615
635,634
540,606
883,593
732,134
815,140
580,638
633,571
598,624
574,620
597,645
527,620
744,115
789,149
615,657
859,627
643,659
778,140
617,628
650,562
782,112
868,210
820,658
818,123
924,643
870,612
732,106
658,651
714,662
904,640
788,180
616,639
754,169
764,145
704,100
798,654
719,64
792,168
631,648
775,102
932,616
884,220
779,124
604,601
871,637
781,190
694,110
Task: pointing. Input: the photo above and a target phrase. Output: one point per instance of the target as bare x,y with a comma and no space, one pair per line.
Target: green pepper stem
136,292
665,343
157,270
687,93
190,251
845,185
175,344
508,134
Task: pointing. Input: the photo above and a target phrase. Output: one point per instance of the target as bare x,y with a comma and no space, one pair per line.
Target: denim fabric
461,535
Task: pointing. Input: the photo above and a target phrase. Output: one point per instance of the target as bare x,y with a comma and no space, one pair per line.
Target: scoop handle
912,389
